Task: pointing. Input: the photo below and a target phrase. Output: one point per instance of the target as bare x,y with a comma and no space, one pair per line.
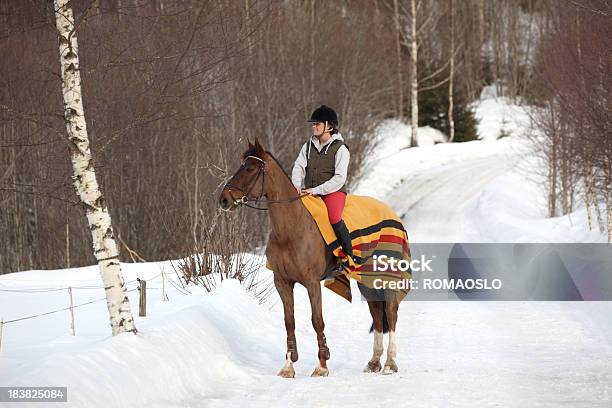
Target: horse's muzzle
226,201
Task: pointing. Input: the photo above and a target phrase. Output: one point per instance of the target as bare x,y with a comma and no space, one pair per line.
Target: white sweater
342,161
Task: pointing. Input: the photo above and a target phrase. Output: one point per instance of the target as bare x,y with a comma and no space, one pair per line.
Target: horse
297,253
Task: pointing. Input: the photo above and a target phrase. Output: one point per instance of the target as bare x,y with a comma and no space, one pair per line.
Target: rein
245,199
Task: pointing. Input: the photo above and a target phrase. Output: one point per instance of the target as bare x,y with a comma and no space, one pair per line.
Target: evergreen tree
433,107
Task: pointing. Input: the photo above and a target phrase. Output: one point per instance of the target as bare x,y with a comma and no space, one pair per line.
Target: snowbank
513,208
188,347
497,116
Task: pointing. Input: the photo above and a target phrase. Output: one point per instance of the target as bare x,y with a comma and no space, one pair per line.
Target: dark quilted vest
321,166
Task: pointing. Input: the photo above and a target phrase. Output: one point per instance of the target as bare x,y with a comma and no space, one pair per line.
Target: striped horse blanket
375,231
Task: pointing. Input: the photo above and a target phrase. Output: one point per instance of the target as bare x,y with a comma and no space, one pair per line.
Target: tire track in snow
431,202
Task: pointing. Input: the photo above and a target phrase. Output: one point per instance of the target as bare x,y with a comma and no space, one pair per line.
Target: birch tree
414,82
84,176
414,22
398,53
451,121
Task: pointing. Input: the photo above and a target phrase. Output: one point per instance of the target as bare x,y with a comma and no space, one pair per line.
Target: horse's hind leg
314,292
285,291
391,307
377,311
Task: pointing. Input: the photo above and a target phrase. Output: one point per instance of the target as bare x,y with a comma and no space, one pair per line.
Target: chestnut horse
297,253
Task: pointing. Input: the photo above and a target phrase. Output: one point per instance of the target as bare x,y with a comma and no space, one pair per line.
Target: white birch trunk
481,30
398,52
599,217
451,120
609,212
588,188
414,85
312,52
608,197
85,183
552,200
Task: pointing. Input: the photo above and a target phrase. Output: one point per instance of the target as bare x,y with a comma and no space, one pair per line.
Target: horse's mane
253,152
279,165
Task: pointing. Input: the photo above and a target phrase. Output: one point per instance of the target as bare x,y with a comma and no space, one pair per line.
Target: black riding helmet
325,114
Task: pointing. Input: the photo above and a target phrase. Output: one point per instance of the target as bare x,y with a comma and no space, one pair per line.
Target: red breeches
335,204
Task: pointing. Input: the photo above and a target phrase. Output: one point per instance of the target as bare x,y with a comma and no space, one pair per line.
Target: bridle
245,199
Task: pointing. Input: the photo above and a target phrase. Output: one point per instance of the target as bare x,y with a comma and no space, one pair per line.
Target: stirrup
341,266
333,271
357,260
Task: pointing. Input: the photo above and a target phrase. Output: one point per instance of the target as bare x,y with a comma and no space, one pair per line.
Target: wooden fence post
142,303
71,310
1,330
164,297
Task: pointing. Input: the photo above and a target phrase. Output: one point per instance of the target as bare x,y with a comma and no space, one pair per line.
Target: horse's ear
258,149
250,144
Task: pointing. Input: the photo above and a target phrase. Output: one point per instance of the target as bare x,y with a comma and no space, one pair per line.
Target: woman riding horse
321,169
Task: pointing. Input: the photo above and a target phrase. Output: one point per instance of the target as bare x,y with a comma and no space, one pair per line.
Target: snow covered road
431,203
460,354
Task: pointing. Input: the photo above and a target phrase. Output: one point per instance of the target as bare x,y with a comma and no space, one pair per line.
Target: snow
498,116
386,168
513,208
225,347
393,135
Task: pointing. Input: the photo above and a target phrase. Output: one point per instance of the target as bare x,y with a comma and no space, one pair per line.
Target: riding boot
344,238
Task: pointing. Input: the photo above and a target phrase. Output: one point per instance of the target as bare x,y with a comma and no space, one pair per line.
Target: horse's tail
385,322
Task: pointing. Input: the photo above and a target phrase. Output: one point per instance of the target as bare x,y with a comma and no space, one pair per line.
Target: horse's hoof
287,372
372,367
320,372
390,368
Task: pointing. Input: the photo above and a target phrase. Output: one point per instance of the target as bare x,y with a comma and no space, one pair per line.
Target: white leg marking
373,365
392,350
378,346
320,372
390,366
287,371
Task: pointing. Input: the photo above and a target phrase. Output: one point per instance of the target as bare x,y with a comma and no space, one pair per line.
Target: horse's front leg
314,292
285,291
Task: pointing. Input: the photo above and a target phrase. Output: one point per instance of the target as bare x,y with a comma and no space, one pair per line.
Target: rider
321,169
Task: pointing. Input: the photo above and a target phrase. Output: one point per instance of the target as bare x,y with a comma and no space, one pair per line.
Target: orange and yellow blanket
375,230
